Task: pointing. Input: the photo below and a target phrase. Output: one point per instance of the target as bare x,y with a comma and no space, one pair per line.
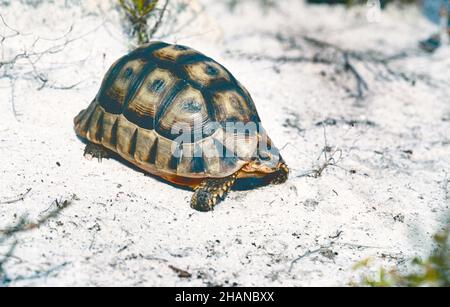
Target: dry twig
16,199
23,226
332,157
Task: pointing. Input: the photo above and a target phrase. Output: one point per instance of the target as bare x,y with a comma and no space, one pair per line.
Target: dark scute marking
177,68
224,85
210,128
157,86
147,51
191,135
133,142
234,84
99,133
192,58
143,121
198,162
191,106
227,156
114,131
221,85
230,161
173,67
128,73
232,119
208,98
168,100
106,102
153,152
110,105
212,71
208,94
137,82
220,148
176,158
248,100
89,120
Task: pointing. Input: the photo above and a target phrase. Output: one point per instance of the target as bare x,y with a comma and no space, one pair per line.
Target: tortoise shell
149,94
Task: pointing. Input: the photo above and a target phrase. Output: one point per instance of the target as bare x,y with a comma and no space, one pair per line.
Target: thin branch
21,197
10,69
361,84
23,226
307,254
181,273
16,32
330,159
330,54
160,19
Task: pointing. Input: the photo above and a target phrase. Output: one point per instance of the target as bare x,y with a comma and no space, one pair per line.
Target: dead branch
181,273
22,226
361,84
309,253
332,157
160,19
294,122
349,122
313,50
23,64
4,37
16,199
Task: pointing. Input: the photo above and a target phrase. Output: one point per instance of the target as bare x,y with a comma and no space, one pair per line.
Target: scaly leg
95,151
211,191
281,175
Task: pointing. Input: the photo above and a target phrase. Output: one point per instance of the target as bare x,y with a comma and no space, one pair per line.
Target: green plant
138,13
433,271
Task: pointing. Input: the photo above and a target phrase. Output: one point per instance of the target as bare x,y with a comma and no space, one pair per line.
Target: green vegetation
433,271
138,13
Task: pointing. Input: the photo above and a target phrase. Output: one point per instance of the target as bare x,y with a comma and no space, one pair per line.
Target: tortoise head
268,162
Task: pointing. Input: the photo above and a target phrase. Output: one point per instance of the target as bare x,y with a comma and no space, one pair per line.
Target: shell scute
205,73
142,109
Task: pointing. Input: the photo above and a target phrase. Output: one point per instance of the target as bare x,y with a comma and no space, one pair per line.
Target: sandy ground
383,199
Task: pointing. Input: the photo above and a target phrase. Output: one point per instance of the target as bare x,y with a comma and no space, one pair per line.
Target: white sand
386,197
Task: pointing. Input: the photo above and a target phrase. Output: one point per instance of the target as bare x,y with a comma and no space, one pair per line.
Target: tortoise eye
128,73
191,106
212,71
157,85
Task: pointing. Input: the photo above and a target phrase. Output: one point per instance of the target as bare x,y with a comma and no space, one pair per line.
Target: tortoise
179,115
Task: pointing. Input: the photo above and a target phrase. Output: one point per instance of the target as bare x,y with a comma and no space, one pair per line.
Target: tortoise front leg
281,175
95,151
211,191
